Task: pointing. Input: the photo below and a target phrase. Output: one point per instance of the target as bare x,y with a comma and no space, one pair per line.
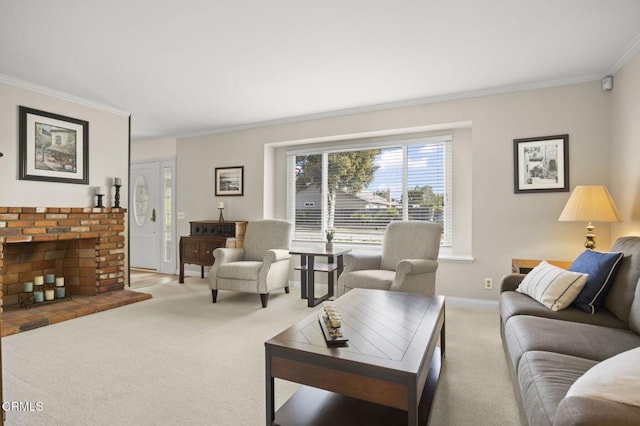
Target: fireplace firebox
84,245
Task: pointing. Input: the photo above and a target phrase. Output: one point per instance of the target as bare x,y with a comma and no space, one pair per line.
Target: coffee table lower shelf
317,407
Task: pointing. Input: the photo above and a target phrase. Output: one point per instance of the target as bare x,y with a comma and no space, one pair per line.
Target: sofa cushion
526,333
601,268
622,291
615,379
552,286
544,379
514,303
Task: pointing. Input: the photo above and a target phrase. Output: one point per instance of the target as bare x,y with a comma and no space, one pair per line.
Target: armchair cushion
246,270
376,279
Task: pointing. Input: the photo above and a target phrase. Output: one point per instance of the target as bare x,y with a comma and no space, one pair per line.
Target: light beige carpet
179,359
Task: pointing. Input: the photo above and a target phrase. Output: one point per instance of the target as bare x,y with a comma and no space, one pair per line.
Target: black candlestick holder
116,203
221,218
99,203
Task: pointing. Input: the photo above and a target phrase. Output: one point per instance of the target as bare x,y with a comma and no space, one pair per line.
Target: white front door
144,213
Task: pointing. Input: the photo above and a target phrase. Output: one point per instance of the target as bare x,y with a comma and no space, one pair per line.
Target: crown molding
60,95
397,105
629,52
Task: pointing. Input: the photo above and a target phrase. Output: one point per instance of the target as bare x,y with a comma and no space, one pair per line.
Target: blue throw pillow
601,268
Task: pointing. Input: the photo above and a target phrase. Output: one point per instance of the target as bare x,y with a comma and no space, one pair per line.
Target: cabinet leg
214,295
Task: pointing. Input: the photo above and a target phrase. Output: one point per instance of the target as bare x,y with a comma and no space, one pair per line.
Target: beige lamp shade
590,204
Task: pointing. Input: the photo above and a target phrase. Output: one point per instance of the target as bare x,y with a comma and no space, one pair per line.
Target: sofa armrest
510,282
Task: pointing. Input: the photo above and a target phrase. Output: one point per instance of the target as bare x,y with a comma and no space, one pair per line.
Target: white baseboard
463,302
460,302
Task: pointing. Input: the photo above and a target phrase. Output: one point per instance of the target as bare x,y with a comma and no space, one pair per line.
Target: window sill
445,255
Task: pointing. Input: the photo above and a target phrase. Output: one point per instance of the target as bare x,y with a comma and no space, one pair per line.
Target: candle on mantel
221,205
117,181
99,190
38,280
59,281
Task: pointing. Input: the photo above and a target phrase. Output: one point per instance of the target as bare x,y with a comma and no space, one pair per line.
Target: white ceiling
196,66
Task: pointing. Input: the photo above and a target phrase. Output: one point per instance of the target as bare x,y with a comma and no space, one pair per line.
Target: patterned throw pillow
552,286
601,268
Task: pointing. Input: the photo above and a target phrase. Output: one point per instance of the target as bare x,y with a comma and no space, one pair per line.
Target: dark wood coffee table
386,375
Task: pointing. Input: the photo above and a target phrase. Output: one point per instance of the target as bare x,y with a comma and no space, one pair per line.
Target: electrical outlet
488,283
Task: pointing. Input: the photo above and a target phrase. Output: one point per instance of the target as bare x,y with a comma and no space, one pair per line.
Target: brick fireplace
85,245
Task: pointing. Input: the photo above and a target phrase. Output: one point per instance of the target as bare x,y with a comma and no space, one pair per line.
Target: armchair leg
214,295
286,289
264,297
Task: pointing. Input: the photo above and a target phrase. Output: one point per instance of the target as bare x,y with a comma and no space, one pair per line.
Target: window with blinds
357,190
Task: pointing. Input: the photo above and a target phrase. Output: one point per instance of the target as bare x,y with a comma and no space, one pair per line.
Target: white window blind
359,190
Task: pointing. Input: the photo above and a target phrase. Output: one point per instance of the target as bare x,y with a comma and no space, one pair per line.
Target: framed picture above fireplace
52,147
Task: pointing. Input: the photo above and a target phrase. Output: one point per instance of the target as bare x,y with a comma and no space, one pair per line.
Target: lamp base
590,243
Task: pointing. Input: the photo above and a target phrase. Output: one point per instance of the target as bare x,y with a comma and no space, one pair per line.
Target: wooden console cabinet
205,236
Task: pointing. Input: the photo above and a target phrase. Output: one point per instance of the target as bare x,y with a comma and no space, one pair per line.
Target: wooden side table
524,266
308,267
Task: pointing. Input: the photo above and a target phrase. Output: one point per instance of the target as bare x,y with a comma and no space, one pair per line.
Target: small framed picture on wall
541,164
229,181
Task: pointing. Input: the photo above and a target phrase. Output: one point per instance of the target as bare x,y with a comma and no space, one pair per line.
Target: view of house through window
357,192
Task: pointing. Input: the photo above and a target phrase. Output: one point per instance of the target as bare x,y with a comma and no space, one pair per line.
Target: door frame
171,266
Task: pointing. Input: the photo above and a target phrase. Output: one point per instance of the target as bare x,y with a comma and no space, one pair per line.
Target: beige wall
625,141
108,152
501,224
153,149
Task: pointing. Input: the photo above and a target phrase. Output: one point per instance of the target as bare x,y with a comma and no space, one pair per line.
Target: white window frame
403,141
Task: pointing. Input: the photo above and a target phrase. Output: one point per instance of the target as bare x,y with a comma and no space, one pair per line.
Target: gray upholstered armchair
408,262
260,267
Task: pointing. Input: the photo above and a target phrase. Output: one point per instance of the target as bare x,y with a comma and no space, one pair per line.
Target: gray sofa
548,351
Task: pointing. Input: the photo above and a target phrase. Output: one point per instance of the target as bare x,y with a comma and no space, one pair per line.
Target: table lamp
591,203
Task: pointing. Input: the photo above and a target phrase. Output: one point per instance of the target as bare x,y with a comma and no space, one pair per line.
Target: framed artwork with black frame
52,147
541,164
229,181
